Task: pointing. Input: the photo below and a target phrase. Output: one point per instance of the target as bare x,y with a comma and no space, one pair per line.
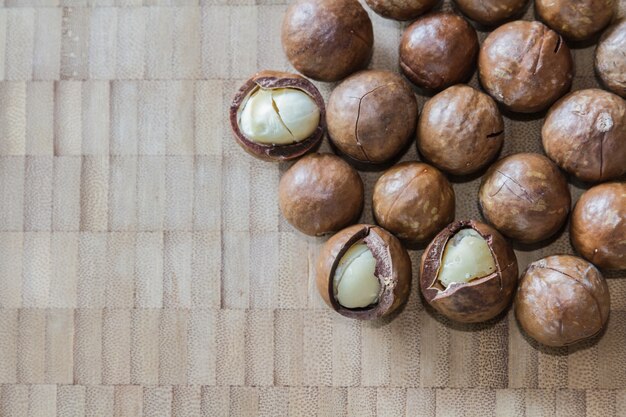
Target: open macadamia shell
525,197
372,116
610,63
320,194
585,134
401,9
438,50
393,269
562,300
491,12
413,201
480,299
598,227
576,20
327,40
460,130
525,66
273,80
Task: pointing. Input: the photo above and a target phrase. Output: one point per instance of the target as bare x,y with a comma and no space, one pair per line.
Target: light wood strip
88,345
59,346
11,246
42,401
47,44
13,118
99,401
39,118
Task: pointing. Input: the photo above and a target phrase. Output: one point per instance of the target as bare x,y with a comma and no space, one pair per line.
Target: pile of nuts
469,271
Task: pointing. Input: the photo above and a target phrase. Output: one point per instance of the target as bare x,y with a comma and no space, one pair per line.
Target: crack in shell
358,116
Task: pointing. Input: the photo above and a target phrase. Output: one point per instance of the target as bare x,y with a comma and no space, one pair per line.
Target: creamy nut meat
355,283
466,257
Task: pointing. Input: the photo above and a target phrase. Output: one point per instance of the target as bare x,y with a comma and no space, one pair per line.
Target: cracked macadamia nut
372,116
401,9
327,40
598,228
364,272
277,116
468,272
576,20
525,66
585,134
438,50
414,201
320,194
460,130
491,12
562,300
525,197
610,60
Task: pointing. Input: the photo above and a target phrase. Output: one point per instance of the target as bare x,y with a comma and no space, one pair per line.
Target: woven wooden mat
145,268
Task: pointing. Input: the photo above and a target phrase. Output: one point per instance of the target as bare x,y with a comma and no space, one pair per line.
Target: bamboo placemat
145,268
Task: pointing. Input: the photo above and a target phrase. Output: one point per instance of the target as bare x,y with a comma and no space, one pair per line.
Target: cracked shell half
372,116
525,197
468,272
277,116
562,300
364,272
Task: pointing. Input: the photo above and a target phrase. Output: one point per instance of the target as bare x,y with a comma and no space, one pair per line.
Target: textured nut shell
491,12
609,61
276,79
562,300
576,20
393,268
401,9
438,50
413,201
477,300
525,197
598,228
320,194
371,116
525,66
585,134
460,130
327,40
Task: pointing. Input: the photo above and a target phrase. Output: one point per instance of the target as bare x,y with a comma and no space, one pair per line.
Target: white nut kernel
354,283
465,257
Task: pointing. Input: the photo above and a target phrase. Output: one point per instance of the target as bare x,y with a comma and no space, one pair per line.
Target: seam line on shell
358,116
526,193
402,192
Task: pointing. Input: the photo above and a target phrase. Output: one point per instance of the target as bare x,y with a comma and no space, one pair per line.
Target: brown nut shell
460,130
525,66
610,64
414,201
372,116
562,300
393,269
327,40
598,228
585,134
271,80
320,194
438,50
576,20
401,9
525,197
480,299
491,12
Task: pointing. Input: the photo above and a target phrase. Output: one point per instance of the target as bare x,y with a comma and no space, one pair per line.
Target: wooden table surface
145,269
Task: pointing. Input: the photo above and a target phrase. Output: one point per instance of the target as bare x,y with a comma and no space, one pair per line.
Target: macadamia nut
466,256
355,284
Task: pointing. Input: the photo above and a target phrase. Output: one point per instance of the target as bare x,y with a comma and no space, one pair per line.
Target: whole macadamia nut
372,116
414,201
610,60
327,40
468,272
525,197
562,300
598,228
363,272
460,130
491,12
277,116
401,9
576,20
320,194
438,50
525,66
585,134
